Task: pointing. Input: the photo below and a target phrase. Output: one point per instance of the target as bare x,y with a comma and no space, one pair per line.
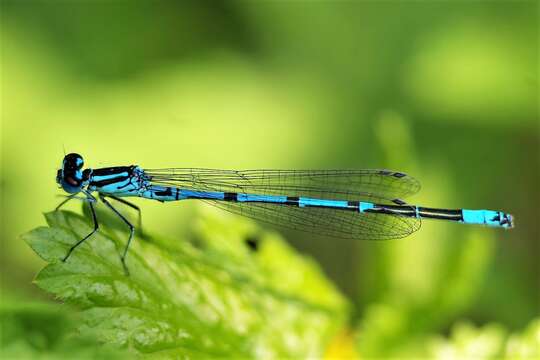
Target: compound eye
74,160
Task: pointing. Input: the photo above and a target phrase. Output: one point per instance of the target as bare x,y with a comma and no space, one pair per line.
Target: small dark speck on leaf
252,242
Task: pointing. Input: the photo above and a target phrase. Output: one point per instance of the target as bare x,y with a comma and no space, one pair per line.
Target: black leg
96,227
133,206
65,201
131,232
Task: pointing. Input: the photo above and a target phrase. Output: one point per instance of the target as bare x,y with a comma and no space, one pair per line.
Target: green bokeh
447,92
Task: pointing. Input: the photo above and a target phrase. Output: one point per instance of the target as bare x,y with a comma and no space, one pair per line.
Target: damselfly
359,204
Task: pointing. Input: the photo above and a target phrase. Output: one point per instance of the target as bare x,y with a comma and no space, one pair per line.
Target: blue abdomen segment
163,193
167,193
278,199
487,217
482,217
307,202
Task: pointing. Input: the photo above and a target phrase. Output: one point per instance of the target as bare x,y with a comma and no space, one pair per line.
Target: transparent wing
380,186
323,221
359,185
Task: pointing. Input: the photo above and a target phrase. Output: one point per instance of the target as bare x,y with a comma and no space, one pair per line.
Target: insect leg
91,201
131,232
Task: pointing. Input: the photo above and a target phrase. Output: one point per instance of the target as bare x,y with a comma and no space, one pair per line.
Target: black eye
73,161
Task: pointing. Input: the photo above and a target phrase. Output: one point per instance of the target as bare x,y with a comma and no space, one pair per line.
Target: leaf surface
229,289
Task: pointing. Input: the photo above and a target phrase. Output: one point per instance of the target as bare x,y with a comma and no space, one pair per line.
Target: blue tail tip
489,218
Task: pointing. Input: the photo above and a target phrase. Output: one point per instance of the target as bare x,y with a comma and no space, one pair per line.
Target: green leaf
33,330
467,341
208,294
491,341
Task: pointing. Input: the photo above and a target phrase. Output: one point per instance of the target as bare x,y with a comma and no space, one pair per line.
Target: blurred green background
447,92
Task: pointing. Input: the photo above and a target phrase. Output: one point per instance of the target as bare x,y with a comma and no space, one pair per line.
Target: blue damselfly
358,204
